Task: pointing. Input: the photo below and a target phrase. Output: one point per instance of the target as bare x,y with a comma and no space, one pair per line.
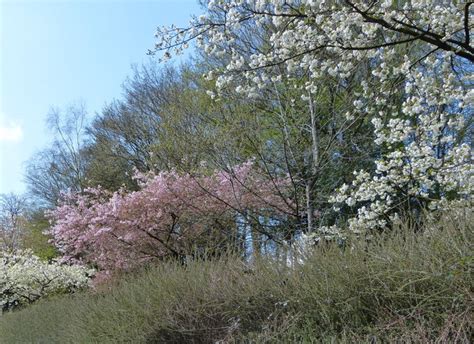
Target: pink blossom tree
169,216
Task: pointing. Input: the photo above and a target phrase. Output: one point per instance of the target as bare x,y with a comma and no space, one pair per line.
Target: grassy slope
406,287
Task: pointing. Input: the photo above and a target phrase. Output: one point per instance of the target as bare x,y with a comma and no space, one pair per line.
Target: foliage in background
61,166
22,226
13,221
35,238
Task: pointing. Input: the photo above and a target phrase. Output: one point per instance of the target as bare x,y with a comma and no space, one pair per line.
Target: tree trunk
313,168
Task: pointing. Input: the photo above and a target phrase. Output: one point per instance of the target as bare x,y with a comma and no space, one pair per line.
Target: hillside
406,287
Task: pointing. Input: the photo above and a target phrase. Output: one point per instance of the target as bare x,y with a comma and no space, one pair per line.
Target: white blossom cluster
300,29
422,163
416,93
24,278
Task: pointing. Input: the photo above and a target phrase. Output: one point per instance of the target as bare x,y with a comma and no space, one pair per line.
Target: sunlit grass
403,286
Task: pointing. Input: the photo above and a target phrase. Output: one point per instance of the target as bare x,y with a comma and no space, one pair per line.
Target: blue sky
56,53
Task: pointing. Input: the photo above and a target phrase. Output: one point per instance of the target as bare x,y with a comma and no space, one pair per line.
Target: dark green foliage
403,287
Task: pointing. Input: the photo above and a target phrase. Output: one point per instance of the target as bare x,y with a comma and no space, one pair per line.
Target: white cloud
10,132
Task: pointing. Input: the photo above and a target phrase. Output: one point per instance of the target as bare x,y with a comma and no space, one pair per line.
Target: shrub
24,278
413,287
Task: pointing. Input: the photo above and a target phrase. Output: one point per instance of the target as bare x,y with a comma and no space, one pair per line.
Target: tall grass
401,287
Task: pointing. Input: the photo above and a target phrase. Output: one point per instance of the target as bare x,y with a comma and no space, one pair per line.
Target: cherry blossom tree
418,92
171,215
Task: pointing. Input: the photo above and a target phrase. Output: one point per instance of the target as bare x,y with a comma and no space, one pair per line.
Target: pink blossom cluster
166,217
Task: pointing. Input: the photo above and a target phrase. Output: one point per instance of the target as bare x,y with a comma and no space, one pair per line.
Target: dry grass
401,287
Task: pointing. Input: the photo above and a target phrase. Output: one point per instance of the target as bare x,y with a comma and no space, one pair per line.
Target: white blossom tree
418,92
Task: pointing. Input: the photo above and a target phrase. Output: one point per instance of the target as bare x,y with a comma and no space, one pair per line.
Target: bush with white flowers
24,278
